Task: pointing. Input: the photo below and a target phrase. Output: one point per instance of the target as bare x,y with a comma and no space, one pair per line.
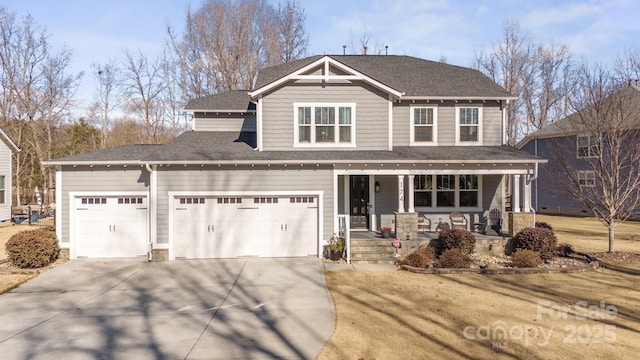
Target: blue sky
596,30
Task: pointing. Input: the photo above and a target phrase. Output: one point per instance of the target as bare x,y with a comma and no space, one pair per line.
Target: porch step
372,251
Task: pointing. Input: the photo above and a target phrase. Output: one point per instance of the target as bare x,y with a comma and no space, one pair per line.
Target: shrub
427,251
526,258
454,258
33,248
564,250
456,239
422,257
544,225
537,239
416,259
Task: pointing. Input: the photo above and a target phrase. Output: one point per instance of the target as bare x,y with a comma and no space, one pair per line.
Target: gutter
148,167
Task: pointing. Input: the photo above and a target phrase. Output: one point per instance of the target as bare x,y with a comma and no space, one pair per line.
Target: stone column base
519,221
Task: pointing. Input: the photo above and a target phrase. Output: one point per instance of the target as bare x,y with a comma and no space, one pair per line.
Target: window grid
325,124
449,191
423,124
586,178
468,124
587,146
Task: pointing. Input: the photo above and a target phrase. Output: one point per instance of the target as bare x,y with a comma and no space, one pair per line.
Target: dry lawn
589,235
401,315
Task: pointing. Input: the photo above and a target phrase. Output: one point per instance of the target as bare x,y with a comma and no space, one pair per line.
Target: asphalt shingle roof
573,124
409,75
203,146
124,153
233,100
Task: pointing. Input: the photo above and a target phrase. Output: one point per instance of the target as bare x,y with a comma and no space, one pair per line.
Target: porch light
377,186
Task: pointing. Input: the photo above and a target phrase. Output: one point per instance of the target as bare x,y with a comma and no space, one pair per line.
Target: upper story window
468,125
324,124
588,146
423,125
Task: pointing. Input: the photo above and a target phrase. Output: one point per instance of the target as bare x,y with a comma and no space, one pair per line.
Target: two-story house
268,172
572,146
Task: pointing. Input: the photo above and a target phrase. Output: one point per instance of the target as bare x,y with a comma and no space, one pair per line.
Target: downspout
531,180
150,213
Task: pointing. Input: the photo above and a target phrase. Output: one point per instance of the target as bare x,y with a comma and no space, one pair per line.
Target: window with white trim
450,191
587,146
2,189
423,125
468,125
325,124
587,178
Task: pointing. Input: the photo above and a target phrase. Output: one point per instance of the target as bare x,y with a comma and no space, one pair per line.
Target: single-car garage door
232,226
110,226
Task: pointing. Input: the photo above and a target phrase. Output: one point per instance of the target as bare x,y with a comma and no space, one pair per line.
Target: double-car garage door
232,226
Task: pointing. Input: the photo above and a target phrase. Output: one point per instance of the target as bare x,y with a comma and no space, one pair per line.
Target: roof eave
470,98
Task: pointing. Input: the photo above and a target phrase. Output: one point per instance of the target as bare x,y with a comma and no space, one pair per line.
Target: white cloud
539,18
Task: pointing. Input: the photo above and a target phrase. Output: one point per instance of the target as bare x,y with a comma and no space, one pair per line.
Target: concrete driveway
197,309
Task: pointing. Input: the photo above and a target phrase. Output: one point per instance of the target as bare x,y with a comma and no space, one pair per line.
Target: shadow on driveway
188,309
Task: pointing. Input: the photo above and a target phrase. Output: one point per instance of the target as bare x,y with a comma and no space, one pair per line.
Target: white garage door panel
107,227
245,226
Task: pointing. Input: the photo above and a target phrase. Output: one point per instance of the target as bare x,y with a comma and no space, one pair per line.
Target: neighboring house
570,141
267,172
7,148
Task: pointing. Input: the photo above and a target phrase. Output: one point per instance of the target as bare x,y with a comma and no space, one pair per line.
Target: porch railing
344,233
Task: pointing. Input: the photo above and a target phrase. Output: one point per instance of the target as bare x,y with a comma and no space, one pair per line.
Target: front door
359,192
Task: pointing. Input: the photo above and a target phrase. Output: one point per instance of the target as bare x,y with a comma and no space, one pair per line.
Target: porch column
410,192
515,194
526,197
400,193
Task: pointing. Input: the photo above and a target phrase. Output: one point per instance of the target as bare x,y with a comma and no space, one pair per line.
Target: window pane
468,116
2,182
345,134
446,182
468,182
304,134
419,116
422,182
445,198
345,115
325,115
423,133
468,133
325,134
468,198
304,115
422,198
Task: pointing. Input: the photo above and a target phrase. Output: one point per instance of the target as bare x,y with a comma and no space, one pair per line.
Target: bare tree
107,97
293,38
605,177
627,66
362,45
509,63
143,85
546,86
37,97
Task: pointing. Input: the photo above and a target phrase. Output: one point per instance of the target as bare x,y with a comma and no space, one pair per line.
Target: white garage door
232,226
108,227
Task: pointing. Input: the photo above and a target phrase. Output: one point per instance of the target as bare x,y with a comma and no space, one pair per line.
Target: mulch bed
7,269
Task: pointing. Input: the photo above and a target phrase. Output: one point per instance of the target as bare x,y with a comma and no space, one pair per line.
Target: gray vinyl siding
224,122
446,122
5,170
258,180
98,179
371,118
548,194
492,124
